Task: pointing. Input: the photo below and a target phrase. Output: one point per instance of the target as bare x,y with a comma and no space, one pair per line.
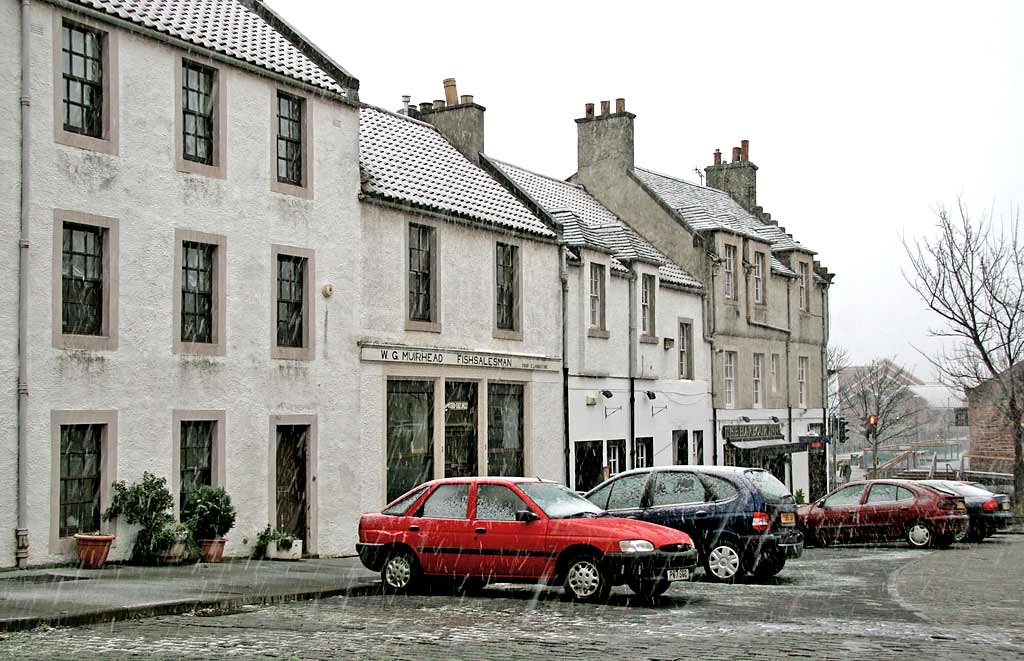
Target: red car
519,529
885,510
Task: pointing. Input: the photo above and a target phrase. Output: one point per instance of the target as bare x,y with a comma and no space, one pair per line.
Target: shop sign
455,358
752,432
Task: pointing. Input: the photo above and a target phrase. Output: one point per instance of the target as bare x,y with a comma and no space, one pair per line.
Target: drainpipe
563,276
831,447
789,377
710,324
632,365
21,533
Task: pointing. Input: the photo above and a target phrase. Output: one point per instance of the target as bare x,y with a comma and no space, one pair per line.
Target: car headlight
635,546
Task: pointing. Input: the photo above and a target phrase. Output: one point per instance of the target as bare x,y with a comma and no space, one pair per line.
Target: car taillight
761,522
991,505
946,504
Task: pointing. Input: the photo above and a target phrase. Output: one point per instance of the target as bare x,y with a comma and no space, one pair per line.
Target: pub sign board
457,358
759,432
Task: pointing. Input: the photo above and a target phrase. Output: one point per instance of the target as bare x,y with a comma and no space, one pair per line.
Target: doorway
680,447
460,429
291,463
589,464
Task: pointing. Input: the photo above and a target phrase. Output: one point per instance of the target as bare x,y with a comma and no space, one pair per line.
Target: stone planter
93,550
212,549
275,552
175,554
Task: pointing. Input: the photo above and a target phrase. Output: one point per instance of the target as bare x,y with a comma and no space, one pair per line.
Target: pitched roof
588,223
406,160
705,208
257,36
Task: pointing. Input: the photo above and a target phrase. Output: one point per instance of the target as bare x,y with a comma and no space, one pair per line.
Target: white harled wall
143,380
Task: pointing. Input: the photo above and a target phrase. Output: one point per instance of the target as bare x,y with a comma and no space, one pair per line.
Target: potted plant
210,514
278,545
182,535
147,504
93,548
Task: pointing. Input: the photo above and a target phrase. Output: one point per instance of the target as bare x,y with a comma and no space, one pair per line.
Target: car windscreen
557,501
773,491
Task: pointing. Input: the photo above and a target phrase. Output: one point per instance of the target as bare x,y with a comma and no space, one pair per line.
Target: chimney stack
620,105
588,111
738,178
604,143
606,107
451,96
459,119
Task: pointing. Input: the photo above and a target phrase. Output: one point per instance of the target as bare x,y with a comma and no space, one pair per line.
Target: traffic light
871,428
841,429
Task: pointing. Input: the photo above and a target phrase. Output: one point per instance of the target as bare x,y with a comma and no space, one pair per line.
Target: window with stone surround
85,282
196,457
82,75
730,271
805,302
758,380
597,299
81,473
648,292
759,270
802,363
685,350
729,378
290,110
422,286
506,278
293,280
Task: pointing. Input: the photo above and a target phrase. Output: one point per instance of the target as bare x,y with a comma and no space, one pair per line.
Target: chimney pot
466,98
406,100
718,157
745,150
588,111
439,105
620,105
606,107
451,96
735,152
425,106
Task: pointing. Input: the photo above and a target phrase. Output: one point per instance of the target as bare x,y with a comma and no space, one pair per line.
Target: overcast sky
861,120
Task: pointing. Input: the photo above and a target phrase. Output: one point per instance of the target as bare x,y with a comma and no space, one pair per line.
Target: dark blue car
743,520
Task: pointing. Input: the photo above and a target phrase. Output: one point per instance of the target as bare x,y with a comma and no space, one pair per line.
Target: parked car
885,510
741,519
988,511
519,529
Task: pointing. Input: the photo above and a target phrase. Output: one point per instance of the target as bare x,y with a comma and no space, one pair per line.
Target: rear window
772,490
963,489
402,505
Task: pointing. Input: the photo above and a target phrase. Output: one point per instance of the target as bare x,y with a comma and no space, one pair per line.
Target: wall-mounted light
607,394
590,400
651,394
775,418
745,418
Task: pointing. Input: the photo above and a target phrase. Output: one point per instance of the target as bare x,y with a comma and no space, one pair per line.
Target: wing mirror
526,516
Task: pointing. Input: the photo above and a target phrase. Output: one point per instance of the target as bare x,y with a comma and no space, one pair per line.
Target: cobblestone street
854,602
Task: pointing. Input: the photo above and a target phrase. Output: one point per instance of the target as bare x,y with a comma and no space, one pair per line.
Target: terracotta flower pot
93,549
212,549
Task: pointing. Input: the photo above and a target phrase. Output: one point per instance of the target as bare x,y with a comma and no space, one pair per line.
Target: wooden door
292,445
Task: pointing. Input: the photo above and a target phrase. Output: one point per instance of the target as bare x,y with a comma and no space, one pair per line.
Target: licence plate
678,575
960,505
788,518
1006,505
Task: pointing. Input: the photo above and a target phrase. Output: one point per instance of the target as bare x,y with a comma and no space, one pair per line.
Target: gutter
21,532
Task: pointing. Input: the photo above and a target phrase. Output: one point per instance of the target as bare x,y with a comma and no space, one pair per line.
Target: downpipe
563,275
21,532
632,365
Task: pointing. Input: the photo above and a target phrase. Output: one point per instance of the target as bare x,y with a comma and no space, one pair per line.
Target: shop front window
505,429
410,435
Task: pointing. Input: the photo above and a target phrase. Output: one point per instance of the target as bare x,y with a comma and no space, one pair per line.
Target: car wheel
919,535
964,535
722,562
401,572
648,589
585,580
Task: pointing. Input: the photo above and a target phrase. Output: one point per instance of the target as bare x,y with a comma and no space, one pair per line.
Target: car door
626,495
879,512
508,548
677,500
442,533
838,515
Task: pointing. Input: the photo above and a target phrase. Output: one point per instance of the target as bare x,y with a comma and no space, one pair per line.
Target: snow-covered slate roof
407,160
588,223
705,208
227,27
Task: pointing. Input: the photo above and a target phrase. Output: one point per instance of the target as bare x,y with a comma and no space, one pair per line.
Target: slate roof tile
408,160
588,223
225,26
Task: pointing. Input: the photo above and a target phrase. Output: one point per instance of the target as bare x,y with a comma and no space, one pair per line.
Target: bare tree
837,359
971,274
880,388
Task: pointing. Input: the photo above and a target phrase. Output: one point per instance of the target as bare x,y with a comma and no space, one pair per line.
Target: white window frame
685,349
758,380
729,378
804,299
597,292
759,262
730,271
802,364
775,359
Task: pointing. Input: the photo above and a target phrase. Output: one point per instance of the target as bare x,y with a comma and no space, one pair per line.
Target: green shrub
209,512
149,505
799,497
